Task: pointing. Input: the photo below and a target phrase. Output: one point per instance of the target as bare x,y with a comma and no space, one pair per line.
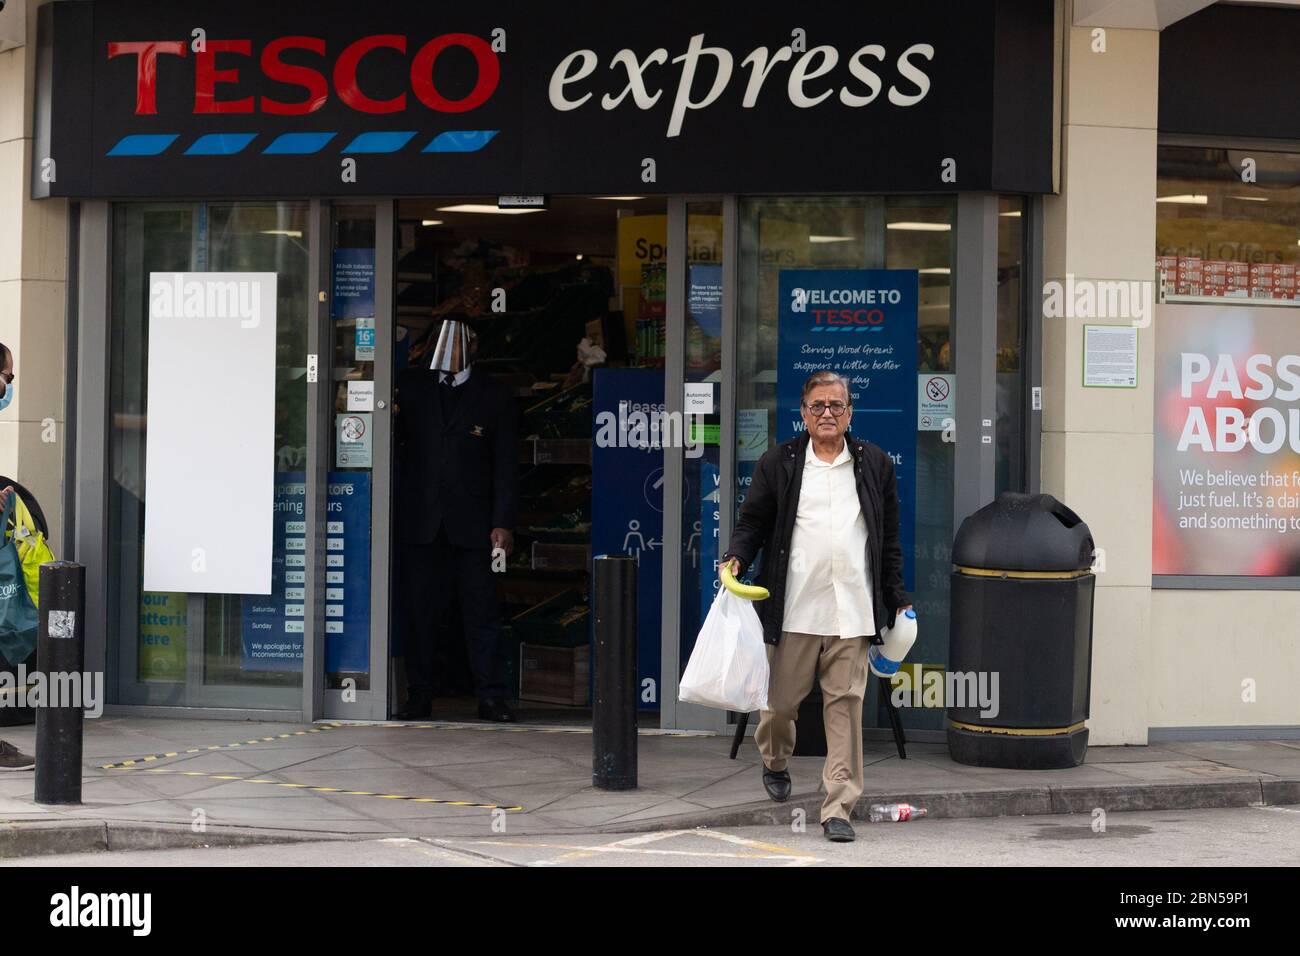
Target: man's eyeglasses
819,408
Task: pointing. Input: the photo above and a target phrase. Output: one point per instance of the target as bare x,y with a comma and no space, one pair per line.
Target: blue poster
627,499
272,631
862,324
745,478
347,573
273,623
704,297
707,529
354,283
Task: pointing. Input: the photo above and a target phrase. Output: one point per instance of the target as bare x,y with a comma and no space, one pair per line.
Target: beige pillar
1097,442
33,274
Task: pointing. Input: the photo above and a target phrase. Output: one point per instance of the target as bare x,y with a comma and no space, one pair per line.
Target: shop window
1010,424
568,308
350,497
181,649
1225,442
702,375
1228,221
869,232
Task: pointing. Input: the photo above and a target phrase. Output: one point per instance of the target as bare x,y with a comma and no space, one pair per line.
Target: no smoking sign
936,400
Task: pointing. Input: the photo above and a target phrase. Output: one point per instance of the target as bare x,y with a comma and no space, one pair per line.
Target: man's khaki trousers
842,666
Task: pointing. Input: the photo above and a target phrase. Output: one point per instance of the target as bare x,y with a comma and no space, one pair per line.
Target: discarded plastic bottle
895,812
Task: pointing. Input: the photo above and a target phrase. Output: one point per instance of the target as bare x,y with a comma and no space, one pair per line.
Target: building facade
1042,184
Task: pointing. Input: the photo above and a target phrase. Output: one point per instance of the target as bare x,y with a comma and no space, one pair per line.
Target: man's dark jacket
767,521
459,469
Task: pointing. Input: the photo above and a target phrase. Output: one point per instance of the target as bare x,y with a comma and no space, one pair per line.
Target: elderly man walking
823,508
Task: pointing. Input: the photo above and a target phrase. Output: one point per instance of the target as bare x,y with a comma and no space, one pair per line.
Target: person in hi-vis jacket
457,495
11,758
823,508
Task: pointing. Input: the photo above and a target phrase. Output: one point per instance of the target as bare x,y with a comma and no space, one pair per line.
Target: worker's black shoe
838,830
777,784
495,709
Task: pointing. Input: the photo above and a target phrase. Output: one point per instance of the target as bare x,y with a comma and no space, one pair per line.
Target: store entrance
564,308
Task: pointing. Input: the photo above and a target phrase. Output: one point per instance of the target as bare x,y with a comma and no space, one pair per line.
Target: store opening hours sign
273,626
1227,441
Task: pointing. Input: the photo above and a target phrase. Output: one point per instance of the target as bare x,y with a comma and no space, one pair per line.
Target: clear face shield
452,353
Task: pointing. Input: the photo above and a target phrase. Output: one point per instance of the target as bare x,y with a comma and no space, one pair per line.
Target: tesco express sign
694,79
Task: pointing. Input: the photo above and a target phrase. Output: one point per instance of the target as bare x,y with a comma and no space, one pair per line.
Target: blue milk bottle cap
910,613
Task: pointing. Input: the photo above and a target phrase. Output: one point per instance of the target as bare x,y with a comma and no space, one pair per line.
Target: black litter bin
1022,593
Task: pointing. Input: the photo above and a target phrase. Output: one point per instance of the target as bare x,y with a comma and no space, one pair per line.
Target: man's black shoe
495,709
777,784
11,758
838,830
417,708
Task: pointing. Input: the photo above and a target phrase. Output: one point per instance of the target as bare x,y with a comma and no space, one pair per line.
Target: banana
749,592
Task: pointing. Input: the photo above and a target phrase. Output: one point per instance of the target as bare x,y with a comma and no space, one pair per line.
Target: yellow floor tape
150,758
308,787
144,763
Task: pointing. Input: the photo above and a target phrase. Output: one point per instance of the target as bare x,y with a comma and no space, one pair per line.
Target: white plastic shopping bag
728,667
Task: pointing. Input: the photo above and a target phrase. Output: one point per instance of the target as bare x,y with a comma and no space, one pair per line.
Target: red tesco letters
310,79
847,316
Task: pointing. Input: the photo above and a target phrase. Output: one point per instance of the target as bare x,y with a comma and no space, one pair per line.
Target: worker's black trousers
431,575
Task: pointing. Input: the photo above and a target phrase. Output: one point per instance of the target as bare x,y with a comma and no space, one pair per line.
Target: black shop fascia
326,98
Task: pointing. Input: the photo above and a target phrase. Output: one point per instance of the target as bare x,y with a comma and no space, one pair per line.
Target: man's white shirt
457,380
826,589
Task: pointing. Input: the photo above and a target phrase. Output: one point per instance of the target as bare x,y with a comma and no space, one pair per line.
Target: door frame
318,700
974,324
87,472
673,714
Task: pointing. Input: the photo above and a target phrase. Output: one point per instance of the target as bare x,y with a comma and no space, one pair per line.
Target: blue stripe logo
220,144
298,144
303,144
379,142
460,141
143,144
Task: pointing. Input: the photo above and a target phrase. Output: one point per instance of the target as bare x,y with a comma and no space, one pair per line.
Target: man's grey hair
826,377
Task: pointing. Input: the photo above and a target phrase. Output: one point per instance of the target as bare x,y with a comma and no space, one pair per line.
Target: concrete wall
1161,658
1096,452
1205,644
33,274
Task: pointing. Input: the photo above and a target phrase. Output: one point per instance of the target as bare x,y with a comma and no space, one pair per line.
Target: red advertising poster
1227,440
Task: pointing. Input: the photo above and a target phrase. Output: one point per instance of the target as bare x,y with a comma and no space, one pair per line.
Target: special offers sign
251,98
1227,441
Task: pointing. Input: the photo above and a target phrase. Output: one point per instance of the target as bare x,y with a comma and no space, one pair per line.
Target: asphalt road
1263,836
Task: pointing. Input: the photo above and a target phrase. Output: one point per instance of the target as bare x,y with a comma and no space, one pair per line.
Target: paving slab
1175,770
1102,755
686,780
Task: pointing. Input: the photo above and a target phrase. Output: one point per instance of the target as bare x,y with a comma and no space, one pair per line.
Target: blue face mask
8,396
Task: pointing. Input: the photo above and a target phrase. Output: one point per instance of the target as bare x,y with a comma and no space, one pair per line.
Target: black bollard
613,713
60,650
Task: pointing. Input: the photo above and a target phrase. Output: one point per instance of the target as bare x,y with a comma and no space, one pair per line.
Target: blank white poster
210,445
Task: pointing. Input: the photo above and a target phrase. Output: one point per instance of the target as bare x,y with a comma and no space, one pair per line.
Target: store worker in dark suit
457,494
